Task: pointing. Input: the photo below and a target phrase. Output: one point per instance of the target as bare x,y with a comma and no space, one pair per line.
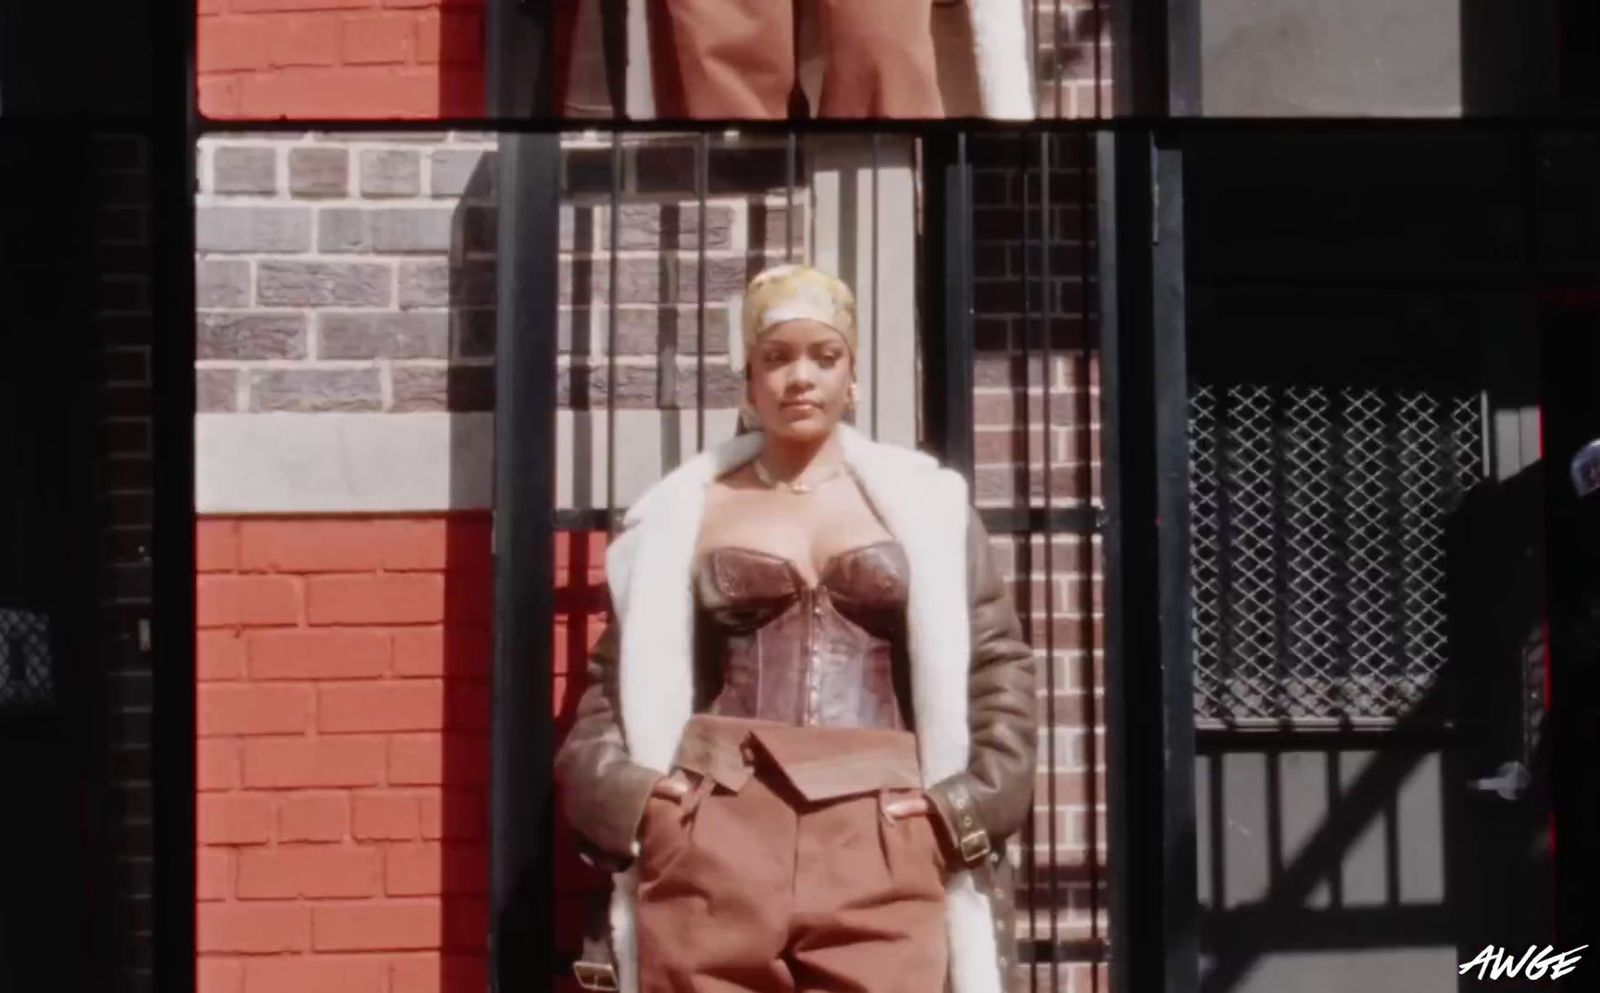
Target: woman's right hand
674,787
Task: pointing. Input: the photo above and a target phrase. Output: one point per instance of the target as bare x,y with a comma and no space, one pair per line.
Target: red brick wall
340,58
344,753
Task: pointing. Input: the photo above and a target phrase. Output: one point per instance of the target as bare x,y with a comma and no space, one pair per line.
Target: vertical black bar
1155,57
1098,13
521,807
702,165
790,169
1055,38
1184,97
947,287
519,58
173,719
1037,41
1128,497
1138,57
1025,558
877,216
1046,331
1570,419
1083,411
671,269
614,234
1578,71
1149,708
1169,331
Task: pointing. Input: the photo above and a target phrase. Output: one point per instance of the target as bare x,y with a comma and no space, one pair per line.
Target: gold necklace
800,489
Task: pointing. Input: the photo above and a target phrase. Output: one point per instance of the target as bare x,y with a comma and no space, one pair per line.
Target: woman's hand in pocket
915,806
674,786
663,829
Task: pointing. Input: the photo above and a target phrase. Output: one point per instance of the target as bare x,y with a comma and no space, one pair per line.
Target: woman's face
800,376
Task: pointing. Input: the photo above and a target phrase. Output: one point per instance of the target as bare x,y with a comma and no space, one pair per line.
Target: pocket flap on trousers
821,770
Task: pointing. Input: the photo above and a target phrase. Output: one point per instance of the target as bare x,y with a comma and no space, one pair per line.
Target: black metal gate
905,219
52,848
1364,560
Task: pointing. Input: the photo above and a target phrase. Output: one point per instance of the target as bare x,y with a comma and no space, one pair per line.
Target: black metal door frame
1154,906
520,59
1569,309
522,813
157,109
55,840
173,129
947,307
1149,694
1155,58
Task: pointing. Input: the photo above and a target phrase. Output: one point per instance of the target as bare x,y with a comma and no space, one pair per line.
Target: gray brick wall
356,272
345,272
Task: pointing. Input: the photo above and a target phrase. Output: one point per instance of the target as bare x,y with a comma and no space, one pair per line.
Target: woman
813,723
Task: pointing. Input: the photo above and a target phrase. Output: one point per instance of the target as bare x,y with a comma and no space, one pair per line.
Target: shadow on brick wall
463,816
460,41
580,602
468,650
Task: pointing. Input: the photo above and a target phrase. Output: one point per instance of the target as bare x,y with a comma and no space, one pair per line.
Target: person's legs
869,902
734,58
880,59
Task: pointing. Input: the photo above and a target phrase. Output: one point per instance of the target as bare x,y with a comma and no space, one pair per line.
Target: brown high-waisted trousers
780,872
736,58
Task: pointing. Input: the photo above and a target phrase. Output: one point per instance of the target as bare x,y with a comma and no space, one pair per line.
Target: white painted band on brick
284,463
341,463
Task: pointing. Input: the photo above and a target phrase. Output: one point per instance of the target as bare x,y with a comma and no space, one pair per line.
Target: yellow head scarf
795,292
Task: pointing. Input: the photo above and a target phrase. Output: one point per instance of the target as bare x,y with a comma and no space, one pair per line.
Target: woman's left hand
917,806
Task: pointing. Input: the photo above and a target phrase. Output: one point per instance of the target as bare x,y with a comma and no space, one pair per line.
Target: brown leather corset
830,655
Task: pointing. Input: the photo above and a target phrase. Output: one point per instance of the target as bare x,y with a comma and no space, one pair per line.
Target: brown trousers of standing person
780,872
736,58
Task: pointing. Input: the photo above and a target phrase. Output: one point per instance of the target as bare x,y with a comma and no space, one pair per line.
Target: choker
773,483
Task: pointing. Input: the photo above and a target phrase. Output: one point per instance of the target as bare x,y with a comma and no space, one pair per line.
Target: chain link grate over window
1317,547
25,676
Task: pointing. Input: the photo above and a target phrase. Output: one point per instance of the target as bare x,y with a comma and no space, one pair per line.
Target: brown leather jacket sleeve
977,809
603,791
